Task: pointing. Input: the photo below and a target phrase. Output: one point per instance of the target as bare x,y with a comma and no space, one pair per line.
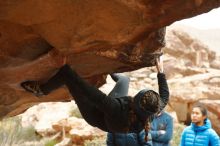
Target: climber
125,139
121,114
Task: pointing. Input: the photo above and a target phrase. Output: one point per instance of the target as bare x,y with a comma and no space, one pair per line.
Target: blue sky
210,20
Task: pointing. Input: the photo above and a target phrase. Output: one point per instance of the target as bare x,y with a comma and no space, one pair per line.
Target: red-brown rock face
97,37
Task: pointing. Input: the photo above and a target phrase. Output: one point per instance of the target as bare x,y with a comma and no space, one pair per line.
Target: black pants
91,102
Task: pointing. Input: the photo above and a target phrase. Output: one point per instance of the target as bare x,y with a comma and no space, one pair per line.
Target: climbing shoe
33,87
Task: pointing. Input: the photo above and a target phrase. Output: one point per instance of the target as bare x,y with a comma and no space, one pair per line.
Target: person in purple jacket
200,132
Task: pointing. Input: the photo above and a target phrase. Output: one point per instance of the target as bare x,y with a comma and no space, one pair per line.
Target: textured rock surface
59,119
191,77
96,36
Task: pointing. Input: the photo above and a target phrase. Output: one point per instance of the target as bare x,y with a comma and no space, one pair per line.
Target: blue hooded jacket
128,139
200,135
162,122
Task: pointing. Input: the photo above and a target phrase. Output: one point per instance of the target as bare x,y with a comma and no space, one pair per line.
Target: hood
207,125
142,113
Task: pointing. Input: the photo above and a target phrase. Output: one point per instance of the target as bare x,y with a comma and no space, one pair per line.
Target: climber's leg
121,87
82,92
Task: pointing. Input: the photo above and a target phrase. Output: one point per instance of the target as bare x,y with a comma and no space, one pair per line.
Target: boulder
192,79
77,130
97,38
59,119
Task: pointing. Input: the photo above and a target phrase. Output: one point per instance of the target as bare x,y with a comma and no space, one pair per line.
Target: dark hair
147,103
150,101
202,108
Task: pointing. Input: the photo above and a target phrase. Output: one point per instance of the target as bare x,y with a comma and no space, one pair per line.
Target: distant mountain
210,37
